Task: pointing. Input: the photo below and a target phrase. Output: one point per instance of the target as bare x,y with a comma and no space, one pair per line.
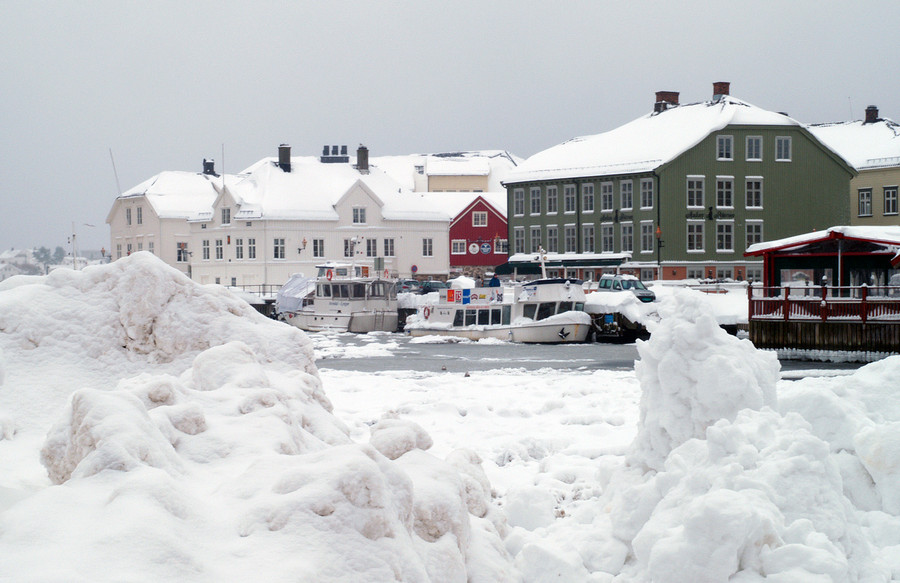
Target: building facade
684,190
872,146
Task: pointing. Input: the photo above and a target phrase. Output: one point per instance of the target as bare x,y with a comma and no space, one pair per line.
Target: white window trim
641,193
702,179
762,193
884,191
731,179
622,237
725,222
789,141
621,204
762,231
584,188
730,138
480,214
453,245
747,149
517,193
687,236
566,228
641,233
574,199
540,202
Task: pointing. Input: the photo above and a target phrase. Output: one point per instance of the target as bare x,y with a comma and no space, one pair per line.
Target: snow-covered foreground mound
221,460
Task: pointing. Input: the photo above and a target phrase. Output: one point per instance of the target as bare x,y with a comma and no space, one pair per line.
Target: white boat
548,310
348,298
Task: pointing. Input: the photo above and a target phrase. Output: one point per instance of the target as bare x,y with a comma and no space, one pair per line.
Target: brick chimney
720,89
664,99
871,114
362,159
284,157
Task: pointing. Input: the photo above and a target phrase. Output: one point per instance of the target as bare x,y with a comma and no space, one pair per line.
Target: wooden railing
825,303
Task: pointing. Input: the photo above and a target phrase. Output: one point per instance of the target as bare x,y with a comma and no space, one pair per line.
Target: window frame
570,238
696,236
220,250
758,226
626,234
479,219
226,215
896,203
552,200
570,196
780,142
388,247
867,200
587,197
646,235
607,238
359,215
647,192
519,202
725,239
626,187
749,149
458,247
535,241
694,191
278,248
722,181
588,239
724,148
535,200
427,247
318,248
552,239
204,245
747,181
519,239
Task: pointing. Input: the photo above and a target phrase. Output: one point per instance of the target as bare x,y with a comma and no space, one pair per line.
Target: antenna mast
116,174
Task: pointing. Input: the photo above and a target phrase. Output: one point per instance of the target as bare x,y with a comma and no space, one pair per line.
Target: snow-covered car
614,283
407,286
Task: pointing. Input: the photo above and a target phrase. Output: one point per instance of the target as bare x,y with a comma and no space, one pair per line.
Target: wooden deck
825,318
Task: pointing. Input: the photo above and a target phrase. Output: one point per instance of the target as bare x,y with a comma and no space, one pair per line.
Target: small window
536,201
587,198
479,218
278,248
783,148
427,248
552,201
865,202
140,215
389,247
359,216
647,193
626,193
890,200
724,148
695,186
226,216
128,216
695,237
458,247
724,192
569,198
535,239
754,192
725,236
318,247
754,148
518,202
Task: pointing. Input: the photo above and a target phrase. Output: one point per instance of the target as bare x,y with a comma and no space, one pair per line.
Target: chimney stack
871,114
209,167
720,89
664,99
362,159
284,157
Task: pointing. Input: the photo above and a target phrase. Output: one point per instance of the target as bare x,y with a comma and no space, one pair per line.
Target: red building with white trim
478,238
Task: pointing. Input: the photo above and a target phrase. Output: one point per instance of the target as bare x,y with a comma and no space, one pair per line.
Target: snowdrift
231,468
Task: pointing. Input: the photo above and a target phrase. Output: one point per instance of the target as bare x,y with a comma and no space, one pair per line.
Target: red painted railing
862,304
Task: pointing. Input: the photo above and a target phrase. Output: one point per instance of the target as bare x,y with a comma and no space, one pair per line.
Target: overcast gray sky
165,84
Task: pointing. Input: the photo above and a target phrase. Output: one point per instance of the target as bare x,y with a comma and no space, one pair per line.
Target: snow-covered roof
886,235
312,189
863,145
646,143
495,164
176,194
453,203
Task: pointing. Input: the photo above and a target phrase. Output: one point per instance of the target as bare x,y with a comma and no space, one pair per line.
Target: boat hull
533,333
357,322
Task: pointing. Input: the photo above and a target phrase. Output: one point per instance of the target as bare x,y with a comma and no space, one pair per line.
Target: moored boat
348,298
547,310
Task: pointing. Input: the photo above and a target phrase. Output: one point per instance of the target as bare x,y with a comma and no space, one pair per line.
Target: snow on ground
151,428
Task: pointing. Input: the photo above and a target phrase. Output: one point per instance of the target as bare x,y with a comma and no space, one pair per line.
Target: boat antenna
542,257
116,174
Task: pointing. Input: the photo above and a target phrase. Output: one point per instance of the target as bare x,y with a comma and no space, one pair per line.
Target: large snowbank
221,460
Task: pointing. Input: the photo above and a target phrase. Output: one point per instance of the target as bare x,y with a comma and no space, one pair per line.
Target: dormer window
359,216
226,216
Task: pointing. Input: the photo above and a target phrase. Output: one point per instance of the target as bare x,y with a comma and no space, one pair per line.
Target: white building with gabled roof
286,215
464,171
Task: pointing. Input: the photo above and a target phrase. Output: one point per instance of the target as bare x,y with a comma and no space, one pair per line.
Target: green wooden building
684,190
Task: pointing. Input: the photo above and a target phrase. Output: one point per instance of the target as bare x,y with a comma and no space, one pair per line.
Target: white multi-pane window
238,248
150,247
754,232
389,247
570,233
754,191
724,148
226,216
695,186
725,236
536,201
372,247
348,248
359,216
783,148
479,218
569,198
607,239
458,247
626,193
552,200
754,148
627,237
219,249
501,246
140,215
519,240
587,198
518,202
318,247
119,253
552,239
646,236
587,238
205,247
647,193
127,216
890,200
695,236
535,239
754,273
278,248
428,247
695,273
251,248
725,191
606,196
865,202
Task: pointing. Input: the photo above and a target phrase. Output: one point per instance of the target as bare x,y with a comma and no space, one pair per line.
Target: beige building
872,147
